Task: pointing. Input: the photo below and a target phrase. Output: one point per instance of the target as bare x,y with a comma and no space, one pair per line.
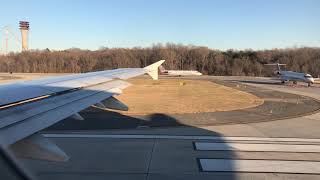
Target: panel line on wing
17,103
5,123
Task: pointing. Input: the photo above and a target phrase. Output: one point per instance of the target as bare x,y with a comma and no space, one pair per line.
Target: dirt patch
176,96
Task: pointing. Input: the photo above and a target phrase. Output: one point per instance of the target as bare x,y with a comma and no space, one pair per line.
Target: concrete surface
174,158
271,166
115,158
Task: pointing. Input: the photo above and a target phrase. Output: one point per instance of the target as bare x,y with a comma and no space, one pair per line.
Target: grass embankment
174,96
169,96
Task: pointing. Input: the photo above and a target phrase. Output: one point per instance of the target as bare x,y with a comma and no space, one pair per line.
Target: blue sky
218,24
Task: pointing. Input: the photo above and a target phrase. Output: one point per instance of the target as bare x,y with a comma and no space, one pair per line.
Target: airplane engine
278,73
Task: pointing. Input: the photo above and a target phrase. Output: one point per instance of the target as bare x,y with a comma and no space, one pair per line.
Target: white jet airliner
285,76
163,71
30,106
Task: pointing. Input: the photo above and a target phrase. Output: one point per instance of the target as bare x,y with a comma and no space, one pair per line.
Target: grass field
169,96
174,96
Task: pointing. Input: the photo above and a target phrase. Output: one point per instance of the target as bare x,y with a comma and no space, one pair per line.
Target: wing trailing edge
113,103
39,147
61,97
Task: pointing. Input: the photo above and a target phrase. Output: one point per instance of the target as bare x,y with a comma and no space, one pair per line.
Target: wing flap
39,147
28,107
14,93
25,120
18,92
113,103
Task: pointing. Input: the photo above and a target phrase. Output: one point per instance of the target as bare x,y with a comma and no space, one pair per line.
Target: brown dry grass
171,96
174,96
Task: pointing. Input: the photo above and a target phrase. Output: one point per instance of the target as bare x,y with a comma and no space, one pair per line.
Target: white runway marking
264,166
216,138
257,147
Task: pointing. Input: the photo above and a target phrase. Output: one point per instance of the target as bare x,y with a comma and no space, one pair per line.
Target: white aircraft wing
28,107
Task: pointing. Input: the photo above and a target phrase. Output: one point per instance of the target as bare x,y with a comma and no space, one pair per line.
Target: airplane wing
28,107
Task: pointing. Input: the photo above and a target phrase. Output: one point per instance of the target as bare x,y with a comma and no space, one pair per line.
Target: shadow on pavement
172,160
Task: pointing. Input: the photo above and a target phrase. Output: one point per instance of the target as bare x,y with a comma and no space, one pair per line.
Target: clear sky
218,24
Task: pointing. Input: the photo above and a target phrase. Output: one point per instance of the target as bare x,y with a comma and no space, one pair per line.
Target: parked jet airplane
285,76
28,107
163,71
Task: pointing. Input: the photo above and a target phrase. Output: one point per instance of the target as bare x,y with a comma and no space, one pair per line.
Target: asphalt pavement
279,140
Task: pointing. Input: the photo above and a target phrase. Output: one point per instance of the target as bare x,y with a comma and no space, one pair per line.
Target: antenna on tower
7,35
6,39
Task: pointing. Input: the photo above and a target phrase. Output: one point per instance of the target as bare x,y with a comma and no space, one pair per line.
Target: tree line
177,56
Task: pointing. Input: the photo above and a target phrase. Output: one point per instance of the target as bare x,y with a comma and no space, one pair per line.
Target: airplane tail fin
152,69
162,70
276,64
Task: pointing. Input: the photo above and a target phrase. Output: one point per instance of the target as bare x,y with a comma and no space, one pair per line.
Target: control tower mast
24,28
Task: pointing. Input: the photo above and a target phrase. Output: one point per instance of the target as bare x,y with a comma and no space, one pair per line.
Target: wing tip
152,69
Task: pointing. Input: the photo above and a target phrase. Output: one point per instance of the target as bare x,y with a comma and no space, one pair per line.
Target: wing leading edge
28,107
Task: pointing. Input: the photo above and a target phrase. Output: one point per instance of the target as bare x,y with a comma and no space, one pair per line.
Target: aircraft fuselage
295,77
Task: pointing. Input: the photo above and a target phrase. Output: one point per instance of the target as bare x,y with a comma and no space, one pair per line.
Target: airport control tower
24,28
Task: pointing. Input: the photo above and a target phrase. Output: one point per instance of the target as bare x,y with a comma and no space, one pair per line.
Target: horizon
164,45
219,25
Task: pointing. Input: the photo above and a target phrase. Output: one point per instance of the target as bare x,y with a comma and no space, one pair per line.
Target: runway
103,155
178,137
285,146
